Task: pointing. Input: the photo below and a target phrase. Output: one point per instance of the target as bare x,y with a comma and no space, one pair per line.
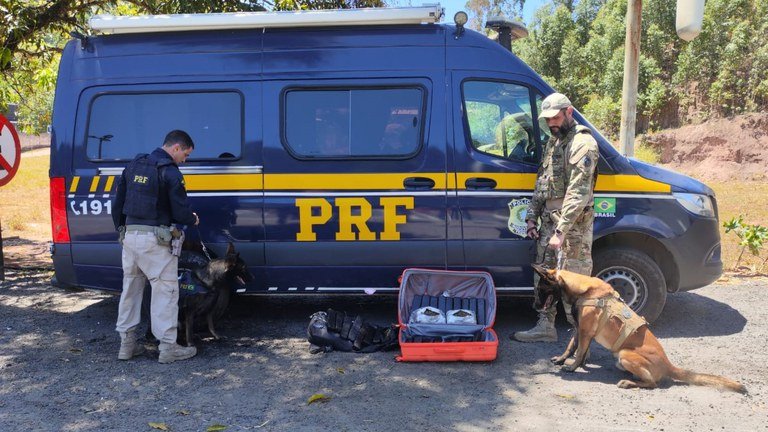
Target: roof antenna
83,38
508,30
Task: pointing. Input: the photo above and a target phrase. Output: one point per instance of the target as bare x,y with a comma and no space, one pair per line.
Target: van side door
497,144
355,182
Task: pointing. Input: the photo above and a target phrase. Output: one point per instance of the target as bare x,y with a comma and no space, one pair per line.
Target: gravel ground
58,371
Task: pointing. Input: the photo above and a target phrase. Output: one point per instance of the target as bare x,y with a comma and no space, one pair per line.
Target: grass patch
24,202
646,153
751,200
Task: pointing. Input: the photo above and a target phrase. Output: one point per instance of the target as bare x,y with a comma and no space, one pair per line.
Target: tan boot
129,348
169,353
544,331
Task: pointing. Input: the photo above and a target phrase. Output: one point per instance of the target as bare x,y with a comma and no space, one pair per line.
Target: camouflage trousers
577,251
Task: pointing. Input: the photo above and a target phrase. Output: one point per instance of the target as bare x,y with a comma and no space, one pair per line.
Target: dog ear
230,249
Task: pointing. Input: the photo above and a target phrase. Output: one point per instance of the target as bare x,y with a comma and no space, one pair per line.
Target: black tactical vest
142,187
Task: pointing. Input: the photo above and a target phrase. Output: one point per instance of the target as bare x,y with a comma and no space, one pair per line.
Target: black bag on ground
333,330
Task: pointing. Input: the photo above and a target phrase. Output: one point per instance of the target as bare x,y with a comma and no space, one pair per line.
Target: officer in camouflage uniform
563,201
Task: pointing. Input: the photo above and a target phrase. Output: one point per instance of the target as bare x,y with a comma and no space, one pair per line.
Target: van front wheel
636,277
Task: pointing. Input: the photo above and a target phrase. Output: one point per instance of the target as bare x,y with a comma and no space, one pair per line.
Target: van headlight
697,204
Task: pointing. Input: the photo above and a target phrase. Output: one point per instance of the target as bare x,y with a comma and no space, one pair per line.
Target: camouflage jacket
567,170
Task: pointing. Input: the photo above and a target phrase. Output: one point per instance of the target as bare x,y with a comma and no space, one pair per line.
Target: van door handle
420,183
480,183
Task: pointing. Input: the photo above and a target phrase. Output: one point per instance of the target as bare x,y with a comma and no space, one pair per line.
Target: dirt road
58,372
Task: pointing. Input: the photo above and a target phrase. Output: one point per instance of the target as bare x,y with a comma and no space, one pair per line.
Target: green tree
480,10
33,33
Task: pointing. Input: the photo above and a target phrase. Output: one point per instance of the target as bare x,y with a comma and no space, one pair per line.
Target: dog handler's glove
532,232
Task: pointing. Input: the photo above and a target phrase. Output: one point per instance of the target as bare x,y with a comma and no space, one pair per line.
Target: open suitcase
448,291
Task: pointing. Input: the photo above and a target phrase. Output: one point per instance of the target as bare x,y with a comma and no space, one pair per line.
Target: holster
177,239
163,234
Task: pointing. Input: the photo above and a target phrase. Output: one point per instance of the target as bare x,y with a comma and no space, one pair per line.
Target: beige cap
552,104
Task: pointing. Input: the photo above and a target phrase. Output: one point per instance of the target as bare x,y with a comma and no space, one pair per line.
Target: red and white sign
10,151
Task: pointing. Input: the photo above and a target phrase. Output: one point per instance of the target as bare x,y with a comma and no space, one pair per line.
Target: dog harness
612,306
190,284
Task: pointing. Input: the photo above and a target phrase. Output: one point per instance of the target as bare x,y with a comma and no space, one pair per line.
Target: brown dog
602,316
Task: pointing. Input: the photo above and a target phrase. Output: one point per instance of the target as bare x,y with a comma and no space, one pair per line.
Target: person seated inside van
513,139
392,142
331,141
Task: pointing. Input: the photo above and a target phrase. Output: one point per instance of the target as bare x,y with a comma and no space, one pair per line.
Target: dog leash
560,259
205,249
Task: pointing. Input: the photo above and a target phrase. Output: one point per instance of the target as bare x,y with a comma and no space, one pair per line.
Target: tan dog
601,315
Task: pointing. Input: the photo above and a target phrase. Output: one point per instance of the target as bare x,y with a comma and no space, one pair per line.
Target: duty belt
140,228
146,228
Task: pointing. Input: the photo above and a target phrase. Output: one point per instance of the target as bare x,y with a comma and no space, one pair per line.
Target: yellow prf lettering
391,218
347,219
307,220
139,179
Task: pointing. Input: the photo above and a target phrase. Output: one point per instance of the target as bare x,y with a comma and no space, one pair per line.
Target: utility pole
631,72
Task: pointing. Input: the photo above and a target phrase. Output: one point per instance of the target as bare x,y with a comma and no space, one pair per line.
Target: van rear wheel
636,277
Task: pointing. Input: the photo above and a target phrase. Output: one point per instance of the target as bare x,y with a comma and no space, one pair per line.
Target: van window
123,125
353,123
500,119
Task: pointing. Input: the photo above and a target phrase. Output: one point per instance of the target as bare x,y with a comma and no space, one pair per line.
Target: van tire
636,277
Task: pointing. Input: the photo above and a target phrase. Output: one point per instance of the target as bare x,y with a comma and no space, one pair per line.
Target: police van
334,149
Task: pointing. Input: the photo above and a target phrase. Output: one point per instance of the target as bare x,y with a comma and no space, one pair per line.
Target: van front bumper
697,253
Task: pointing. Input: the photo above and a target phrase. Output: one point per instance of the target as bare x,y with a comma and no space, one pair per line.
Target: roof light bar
240,20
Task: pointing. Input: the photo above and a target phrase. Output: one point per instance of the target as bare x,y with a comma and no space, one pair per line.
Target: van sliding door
355,183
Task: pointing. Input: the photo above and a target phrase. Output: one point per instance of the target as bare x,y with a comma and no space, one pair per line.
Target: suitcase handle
450,350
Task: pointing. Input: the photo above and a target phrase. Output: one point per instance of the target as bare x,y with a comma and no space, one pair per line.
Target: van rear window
121,125
353,123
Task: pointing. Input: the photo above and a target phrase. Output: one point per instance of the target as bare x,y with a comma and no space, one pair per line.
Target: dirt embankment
722,149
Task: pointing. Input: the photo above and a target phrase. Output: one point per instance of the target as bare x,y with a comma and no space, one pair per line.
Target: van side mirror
508,30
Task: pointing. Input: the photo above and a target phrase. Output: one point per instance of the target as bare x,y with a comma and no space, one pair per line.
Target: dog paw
570,365
558,360
626,384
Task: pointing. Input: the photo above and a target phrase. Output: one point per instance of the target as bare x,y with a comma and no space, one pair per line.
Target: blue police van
334,149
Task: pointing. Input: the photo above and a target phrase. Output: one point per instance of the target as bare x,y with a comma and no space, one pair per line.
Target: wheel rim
630,286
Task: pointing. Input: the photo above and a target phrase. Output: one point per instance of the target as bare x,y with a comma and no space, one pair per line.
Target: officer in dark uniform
150,197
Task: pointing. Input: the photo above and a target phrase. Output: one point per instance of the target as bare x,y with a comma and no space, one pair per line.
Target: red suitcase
447,291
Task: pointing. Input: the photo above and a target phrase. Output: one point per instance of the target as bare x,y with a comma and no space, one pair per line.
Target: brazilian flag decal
605,205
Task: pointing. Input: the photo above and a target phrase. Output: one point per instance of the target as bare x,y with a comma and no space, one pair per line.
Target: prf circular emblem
518,208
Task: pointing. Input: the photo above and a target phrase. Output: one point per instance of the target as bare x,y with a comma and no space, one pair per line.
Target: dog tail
707,380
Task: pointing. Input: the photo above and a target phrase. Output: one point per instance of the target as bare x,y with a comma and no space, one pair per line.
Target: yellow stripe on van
504,181
362,181
73,186
388,181
94,184
217,182
108,186
629,183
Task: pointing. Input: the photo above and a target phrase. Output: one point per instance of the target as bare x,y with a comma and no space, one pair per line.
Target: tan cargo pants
144,259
